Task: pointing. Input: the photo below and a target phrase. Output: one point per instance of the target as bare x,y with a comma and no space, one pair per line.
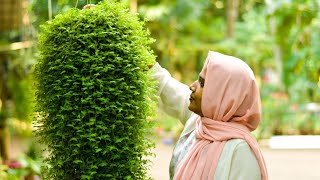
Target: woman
218,114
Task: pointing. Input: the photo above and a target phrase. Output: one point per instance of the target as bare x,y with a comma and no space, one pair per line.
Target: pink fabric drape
231,109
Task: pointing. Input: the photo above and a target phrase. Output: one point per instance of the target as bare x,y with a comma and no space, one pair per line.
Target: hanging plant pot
94,94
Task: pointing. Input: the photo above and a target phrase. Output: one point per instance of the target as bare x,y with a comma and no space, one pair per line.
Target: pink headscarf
231,109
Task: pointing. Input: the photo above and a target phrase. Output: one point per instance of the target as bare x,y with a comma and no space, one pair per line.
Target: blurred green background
280,40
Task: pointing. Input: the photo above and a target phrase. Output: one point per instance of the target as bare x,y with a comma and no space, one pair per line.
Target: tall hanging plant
94,94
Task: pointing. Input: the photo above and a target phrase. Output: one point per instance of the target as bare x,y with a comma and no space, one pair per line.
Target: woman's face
196,96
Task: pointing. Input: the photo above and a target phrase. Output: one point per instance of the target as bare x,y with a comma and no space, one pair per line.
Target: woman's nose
192,88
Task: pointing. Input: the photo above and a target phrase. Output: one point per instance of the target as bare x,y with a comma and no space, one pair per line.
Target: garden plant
94,94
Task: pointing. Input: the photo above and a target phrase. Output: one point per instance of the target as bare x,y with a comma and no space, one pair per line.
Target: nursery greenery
94,94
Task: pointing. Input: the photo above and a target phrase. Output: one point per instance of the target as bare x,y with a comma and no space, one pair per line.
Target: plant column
94,94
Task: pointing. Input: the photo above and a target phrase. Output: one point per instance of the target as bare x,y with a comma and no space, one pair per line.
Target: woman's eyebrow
201,78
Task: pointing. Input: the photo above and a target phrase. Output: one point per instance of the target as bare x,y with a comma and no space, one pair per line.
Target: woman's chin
195,110
191,108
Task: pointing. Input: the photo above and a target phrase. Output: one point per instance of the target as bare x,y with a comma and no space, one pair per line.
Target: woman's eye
201,83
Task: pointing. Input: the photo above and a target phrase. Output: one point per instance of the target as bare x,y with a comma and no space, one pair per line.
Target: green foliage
282,115
28,164
17,86
184,31
40,8
247,44
190,28
3,171
94,94
295,24
22,98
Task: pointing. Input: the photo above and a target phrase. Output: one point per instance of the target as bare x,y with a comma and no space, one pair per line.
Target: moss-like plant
94,94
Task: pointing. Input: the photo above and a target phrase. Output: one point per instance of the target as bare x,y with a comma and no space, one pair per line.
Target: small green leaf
98,150
78,161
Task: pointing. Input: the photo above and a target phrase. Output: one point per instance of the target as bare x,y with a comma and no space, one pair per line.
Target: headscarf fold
231,109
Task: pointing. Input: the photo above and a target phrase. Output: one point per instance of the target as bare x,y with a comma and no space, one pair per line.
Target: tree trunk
133,6
277,50
4,132
30,177
4,143
172,40
232,15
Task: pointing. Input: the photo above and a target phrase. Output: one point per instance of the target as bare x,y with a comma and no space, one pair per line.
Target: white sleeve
174,96
244,165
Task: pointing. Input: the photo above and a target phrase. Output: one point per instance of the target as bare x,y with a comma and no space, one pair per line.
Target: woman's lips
190,99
